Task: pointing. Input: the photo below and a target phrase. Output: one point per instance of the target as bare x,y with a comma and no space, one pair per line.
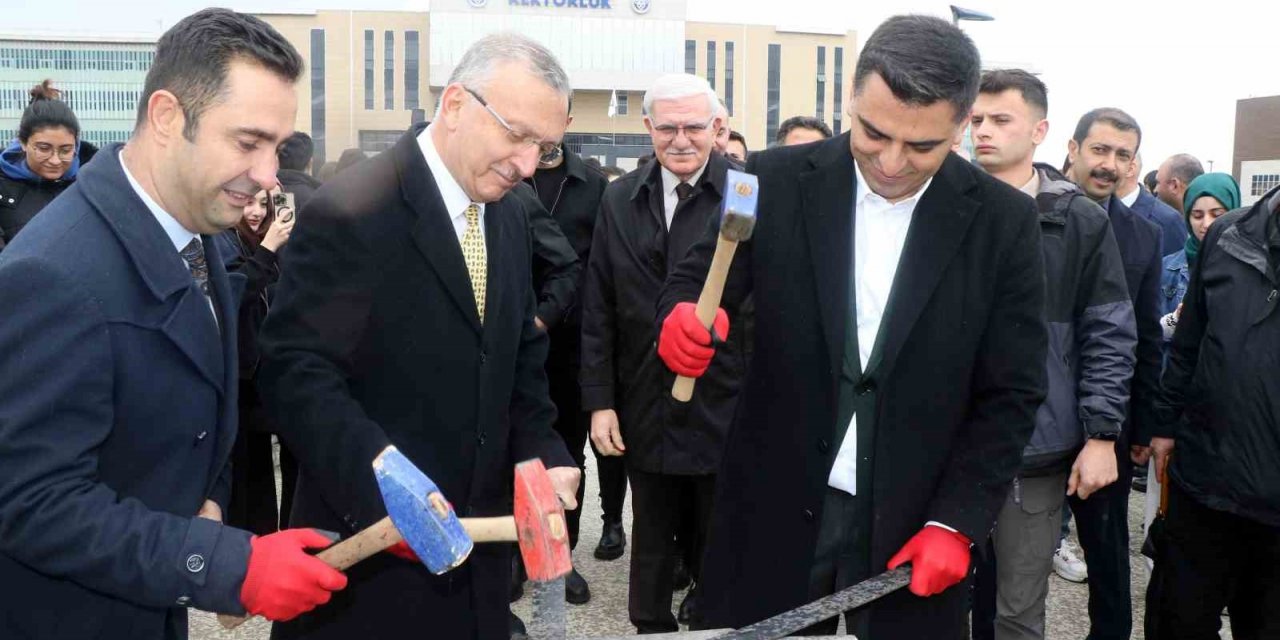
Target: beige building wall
346,115
345,112
798,72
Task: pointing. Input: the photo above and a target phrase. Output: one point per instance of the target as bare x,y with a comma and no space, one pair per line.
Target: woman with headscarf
252,248
40,163
1209,196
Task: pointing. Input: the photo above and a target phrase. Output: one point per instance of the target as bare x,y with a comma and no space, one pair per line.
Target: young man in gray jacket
1092,338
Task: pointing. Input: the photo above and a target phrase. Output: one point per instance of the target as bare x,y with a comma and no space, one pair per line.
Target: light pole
958,14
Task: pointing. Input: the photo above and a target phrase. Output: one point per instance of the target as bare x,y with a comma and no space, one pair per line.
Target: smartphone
281,200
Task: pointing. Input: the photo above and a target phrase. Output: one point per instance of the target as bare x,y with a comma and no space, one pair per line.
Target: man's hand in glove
685,345
939,559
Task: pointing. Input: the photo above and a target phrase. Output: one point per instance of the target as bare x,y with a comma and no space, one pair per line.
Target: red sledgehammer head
540,524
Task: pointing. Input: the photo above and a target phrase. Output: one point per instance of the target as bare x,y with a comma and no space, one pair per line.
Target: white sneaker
1067,565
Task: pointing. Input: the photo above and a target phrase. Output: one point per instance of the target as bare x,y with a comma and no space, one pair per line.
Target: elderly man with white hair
648,220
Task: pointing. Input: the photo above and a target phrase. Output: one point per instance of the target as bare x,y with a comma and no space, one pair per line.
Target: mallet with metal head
419,515
737,221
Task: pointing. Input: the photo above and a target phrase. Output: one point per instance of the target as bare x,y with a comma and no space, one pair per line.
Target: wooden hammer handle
499,529
708,303
343,555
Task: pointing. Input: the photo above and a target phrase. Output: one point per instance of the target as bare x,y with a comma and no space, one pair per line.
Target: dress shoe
576,590
682,578
688,606
612,542
518,577
518,631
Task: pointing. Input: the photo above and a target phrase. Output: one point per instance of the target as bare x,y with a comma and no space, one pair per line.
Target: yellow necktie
473,251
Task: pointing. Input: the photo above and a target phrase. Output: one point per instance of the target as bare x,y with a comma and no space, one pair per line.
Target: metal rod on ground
859,595
548,610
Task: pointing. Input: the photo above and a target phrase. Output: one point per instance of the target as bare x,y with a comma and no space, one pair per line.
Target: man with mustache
648,219
1089,363
1101,150
118,363
406,317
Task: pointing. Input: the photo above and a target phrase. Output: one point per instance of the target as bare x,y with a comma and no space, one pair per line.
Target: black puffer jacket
1220,396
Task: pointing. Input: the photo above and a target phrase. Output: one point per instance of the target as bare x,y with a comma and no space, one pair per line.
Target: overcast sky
1178,67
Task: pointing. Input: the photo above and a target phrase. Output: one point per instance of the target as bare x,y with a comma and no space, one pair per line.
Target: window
1264,183
389,71
622,103
837,111
368,69
691,57
317,97
711,64
728,77
375,142
773,93
411,70
819,111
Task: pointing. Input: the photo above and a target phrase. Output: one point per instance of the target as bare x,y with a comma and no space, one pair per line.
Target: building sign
563,4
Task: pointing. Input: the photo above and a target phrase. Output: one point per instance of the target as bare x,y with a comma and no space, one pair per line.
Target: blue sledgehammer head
420,512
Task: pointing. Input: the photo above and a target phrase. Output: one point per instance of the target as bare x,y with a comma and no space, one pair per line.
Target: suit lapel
189,323
433,233
495,215
937,230
827,191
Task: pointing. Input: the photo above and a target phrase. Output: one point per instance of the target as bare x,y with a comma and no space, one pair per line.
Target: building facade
101,79
1256,161
370,74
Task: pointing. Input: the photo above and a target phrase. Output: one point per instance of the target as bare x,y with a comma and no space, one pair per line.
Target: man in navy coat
118,364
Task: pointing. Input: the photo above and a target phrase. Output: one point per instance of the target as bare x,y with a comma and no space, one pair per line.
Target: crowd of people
919,358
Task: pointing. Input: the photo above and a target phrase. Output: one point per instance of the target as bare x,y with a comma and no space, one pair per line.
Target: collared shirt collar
455,199
670,181
1132,197
178,234
1032,187
864,190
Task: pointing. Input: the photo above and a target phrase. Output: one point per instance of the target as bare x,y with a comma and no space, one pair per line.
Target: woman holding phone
252,248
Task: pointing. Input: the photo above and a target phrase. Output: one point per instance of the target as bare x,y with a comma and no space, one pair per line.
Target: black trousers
655,505
253,480
571,423
611,471
842,558
1102,524
1214,560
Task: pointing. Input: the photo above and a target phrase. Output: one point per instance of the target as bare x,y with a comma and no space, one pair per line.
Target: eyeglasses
41,151
670,131
548,152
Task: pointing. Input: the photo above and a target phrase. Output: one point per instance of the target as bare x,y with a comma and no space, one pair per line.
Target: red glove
283,580
939,559
403,551
685,345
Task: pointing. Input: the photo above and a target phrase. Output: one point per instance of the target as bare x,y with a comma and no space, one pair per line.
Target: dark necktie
193,253
684,191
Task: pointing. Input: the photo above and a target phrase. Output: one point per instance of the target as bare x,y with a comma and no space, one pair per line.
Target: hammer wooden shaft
343,555
708,303
499,529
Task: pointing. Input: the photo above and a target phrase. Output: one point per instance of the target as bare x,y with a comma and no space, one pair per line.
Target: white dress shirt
178,234
669,184
880,231
455,199
1132,197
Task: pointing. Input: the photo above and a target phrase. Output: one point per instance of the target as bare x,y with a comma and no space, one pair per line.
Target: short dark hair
797,122
1032,89
1109,115
192,59
737,135
1185,167
46,110
613,170
922,59
296,151
1150,180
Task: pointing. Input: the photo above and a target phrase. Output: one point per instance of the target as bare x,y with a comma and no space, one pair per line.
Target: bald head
1173,177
